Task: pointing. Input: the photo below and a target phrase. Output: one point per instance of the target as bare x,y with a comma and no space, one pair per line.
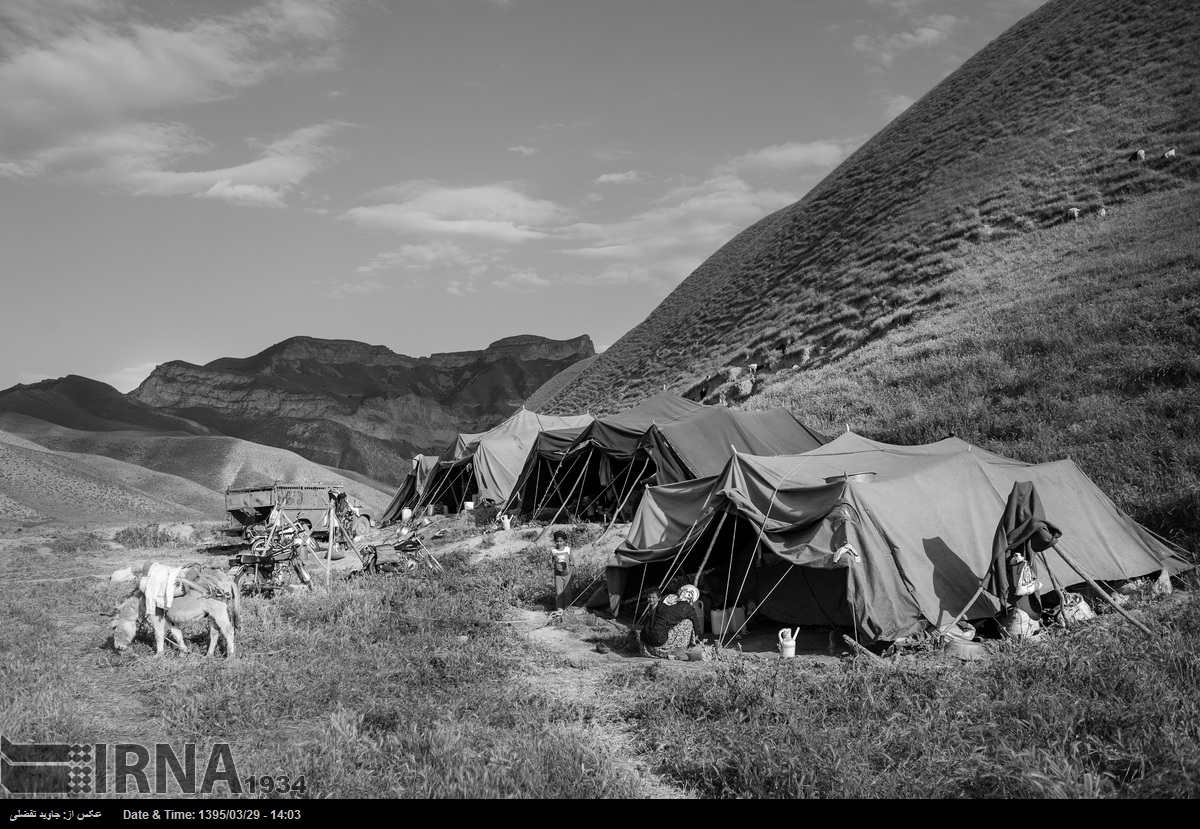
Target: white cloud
894,105
667,242
932,30
457,287
421,257
252,195
339,290
789,157
630,177
523,150
523,281
495,212
127,379
80,81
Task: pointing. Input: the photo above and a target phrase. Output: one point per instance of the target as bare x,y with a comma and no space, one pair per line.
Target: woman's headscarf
689,593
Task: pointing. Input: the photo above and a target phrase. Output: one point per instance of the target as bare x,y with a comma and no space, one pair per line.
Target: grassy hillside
936,281
456,684
1042,120
1096,358
546,392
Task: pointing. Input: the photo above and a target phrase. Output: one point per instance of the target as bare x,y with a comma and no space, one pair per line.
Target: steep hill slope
1047,118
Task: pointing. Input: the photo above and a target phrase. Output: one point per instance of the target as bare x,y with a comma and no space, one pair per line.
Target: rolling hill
51,472
1014,259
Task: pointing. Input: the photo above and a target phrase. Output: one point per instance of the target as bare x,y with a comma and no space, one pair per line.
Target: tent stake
1104,593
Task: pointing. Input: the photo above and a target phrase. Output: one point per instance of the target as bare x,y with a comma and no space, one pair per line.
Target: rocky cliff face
357,406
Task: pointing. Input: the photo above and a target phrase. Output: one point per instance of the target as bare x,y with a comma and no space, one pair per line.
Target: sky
196,179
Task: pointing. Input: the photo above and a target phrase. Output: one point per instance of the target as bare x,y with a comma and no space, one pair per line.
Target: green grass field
435,686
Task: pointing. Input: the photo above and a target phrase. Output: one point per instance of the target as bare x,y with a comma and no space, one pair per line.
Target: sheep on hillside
1140,155
1169,153
1073,213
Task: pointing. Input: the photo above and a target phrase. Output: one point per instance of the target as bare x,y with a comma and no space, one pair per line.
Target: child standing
564,568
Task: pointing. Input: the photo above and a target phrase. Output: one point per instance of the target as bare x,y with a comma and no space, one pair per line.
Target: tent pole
621,506
553,477
711,544
1062,593
1103,593
564,503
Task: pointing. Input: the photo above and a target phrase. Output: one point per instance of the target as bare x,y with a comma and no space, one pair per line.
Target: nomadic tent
698,444
410,489
611,461
538,474
859,534
603,452
483,467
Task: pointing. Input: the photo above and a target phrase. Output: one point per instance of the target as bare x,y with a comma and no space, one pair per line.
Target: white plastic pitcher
505,523
787,643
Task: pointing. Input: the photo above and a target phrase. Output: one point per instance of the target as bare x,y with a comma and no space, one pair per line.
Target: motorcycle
273,563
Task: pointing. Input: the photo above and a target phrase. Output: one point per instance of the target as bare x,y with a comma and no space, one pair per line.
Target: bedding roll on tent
887,540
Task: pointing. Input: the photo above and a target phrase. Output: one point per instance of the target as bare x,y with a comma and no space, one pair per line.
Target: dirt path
583,676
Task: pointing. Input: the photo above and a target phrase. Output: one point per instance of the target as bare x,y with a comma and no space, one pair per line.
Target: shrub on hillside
145,536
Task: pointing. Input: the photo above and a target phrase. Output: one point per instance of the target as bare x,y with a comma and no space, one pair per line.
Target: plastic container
505,523
736,617
1018,623
787,643
468,506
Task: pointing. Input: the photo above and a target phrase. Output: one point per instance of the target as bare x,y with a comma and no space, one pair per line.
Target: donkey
222,615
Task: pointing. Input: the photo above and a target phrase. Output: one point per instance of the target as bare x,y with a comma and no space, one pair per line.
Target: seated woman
674,625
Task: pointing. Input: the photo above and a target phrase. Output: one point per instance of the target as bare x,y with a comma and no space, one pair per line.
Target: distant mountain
360,409
355,406
79,403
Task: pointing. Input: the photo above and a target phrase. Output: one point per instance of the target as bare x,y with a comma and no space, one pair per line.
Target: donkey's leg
212,637
177,638
220,618
159,621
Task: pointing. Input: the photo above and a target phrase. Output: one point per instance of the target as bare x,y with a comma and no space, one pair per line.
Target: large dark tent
537,475
858,534
665,439
698,444
598,461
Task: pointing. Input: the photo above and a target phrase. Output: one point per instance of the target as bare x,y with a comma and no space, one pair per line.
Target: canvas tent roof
922,525
618,435
537,473
697,444
487,464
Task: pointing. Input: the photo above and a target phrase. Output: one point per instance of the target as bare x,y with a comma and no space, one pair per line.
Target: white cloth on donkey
159,587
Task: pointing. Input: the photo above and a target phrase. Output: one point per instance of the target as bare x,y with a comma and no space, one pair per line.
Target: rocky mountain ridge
357,406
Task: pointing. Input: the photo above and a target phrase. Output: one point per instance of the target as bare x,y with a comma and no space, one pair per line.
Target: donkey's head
124,623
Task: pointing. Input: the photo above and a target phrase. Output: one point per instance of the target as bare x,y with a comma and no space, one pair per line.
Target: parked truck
304,504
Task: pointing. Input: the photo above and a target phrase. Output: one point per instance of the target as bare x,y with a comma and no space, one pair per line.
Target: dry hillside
53,472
